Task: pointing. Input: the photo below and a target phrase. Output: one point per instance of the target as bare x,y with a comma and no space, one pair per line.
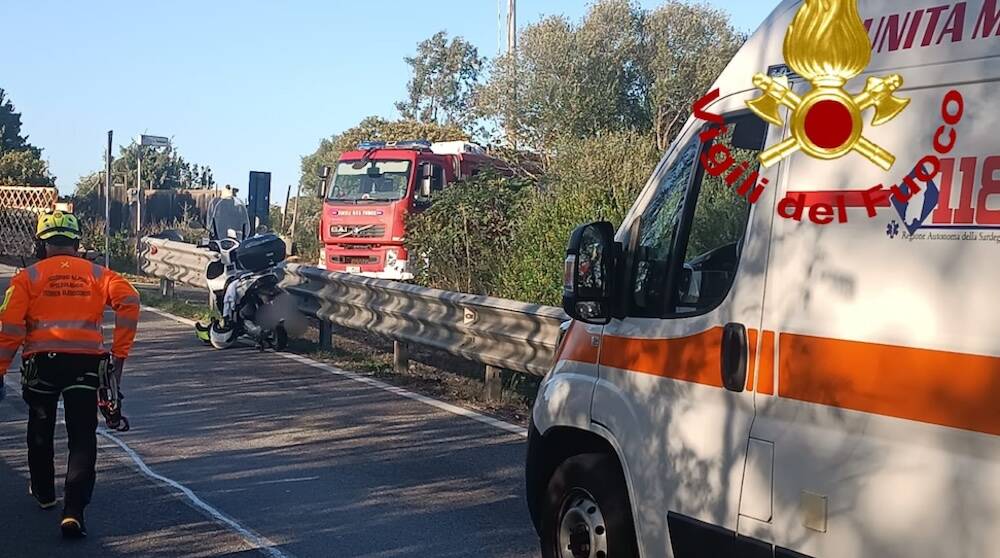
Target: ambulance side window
687,248
656,237
715,239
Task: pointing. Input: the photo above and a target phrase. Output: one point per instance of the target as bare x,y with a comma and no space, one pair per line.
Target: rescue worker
56,309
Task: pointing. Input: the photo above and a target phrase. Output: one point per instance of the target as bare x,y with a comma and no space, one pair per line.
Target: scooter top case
260,252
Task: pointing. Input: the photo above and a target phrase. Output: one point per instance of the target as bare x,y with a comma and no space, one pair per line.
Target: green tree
567,79
621,68
162,169
466,235
24,167
592,179
441,86
372,128
687,47
21,163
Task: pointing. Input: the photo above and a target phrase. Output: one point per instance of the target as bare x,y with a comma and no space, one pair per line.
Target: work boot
73,526
44,503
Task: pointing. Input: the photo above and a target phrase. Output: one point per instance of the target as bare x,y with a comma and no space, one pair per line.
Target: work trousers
46,377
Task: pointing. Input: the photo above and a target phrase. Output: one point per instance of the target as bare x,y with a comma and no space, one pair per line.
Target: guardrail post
494,385
325,335
166,288
400,357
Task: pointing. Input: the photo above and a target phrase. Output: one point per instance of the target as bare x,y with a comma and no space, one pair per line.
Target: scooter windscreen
228,218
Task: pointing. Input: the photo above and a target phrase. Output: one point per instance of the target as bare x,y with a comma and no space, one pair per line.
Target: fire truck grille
357,231
354,260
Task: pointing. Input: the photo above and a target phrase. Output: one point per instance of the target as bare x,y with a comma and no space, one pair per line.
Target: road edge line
426,400
256,540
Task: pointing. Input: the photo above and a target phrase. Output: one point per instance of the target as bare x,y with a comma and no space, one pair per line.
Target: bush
306,240
464,238
122,245
589,180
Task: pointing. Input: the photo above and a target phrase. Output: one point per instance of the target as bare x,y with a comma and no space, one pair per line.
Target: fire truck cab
370,194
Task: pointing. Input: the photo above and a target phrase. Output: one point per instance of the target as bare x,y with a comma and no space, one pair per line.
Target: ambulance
815,373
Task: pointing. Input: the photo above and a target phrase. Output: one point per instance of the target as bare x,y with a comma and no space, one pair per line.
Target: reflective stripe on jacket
57,306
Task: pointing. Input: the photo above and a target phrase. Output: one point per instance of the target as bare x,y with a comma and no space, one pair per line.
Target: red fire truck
372,190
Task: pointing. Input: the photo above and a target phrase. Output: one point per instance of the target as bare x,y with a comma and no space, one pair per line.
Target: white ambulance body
868,419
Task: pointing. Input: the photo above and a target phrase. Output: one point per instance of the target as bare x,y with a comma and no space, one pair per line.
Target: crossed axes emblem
827,44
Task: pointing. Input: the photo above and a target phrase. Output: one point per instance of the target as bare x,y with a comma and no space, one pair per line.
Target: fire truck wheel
586,511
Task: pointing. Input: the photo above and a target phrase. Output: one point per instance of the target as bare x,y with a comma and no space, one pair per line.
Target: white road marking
430,401
282,481
259,542
255,540
168,315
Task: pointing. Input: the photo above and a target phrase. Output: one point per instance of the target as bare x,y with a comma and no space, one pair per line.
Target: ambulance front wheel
586,511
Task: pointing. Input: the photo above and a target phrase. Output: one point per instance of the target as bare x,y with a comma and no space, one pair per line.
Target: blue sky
240,85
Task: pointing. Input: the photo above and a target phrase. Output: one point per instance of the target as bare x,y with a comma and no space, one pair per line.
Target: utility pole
511,26
499,28
108,181
295,212
138,191
284,213
512,54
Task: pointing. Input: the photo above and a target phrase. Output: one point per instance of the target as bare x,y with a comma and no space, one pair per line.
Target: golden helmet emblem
827,45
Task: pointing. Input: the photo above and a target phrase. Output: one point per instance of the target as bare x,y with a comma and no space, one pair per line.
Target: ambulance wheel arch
556,463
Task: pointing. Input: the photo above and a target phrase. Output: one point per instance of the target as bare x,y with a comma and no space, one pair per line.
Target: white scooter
243,282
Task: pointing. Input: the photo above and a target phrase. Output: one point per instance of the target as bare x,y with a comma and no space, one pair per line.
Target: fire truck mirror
426,180
324,179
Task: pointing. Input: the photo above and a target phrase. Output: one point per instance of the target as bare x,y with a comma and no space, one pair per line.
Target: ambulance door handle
734,357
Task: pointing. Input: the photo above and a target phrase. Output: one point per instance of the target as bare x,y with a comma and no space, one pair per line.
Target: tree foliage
441,86
372,128
464,238
621,68
687,47
21,163
162,169
592,179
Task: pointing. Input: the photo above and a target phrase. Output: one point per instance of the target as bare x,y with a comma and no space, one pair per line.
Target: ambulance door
877,378
673,371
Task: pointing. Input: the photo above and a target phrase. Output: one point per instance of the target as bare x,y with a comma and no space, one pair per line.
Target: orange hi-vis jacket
57,306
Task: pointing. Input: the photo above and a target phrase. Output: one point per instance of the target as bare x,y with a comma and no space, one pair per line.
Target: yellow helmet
57,223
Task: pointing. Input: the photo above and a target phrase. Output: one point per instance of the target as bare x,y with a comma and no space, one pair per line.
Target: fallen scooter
245,292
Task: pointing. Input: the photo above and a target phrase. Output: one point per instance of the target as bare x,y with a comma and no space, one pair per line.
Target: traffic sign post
143,141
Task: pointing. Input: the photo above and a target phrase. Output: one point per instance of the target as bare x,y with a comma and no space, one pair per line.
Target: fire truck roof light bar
408,144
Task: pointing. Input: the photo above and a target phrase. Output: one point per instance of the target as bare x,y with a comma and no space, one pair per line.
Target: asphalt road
250,453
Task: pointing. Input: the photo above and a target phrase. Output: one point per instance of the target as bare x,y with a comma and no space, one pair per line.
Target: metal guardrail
496,332
175,261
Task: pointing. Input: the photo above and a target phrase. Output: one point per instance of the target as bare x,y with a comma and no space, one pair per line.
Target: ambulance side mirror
589,270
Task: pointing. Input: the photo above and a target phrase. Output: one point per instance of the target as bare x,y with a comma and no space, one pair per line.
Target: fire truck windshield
375,181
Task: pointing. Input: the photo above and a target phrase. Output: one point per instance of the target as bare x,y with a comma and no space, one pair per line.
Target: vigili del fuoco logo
827,44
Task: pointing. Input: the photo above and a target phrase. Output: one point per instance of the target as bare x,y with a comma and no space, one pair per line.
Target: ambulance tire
587,495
